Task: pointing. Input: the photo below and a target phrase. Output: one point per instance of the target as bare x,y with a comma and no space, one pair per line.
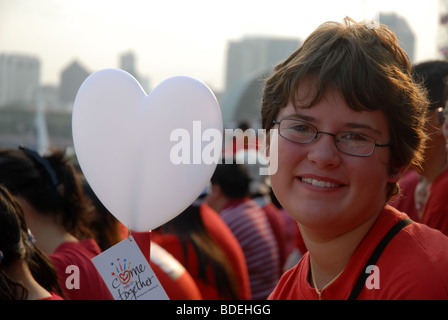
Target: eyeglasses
349,142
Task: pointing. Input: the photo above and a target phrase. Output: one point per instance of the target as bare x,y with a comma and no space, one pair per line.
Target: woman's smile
320,182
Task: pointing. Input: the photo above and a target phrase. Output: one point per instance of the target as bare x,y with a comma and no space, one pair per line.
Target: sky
172,37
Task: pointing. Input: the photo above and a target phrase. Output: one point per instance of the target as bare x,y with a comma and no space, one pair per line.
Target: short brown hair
372,72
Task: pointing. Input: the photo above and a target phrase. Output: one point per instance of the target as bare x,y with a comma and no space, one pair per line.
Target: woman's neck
49,234
21,273
329,256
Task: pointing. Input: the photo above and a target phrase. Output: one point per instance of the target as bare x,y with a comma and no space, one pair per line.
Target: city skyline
172,37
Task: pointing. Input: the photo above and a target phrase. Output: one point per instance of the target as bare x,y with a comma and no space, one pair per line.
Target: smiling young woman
349,120
318,183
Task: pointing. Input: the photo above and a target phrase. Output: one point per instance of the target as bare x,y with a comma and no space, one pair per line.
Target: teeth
317,183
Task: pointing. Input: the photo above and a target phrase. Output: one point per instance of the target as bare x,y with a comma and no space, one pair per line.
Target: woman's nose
323,151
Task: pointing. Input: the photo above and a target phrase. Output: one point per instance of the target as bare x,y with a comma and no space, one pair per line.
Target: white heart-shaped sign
125,144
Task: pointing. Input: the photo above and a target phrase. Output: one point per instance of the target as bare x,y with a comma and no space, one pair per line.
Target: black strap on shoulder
376,255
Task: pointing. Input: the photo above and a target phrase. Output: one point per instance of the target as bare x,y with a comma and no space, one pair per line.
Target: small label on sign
128,274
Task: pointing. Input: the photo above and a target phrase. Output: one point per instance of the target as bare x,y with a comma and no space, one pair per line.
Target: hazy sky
171,37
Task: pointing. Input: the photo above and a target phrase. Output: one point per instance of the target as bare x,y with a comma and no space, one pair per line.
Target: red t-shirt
174,278
53,296
224,238
79,254
172,244
413,266
435,212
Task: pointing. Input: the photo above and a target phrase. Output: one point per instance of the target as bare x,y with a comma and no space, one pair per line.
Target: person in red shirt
432,74
188,240
79,253
26,273
174,278
55,209
347,120
259,190
248,222
435,211
420,251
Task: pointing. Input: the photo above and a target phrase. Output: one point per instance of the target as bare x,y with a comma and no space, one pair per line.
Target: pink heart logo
125,277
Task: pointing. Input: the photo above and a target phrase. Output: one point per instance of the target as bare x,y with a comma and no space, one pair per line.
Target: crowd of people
223,246
360,186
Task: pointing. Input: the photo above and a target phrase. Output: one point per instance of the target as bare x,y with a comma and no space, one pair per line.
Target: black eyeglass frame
334,136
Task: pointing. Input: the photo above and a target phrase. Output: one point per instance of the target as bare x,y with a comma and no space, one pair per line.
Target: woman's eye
302,128
353,136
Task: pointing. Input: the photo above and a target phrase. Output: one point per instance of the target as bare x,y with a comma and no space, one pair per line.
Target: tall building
253,55
72,78
128,63
19,79
249,62
442,32
403,31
